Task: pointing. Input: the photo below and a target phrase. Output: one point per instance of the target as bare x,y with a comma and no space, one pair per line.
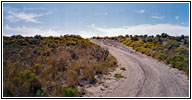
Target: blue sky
95,19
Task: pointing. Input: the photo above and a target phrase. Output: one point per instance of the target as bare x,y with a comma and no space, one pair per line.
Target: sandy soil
143,77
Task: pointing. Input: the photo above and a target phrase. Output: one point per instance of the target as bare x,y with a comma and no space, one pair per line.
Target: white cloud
32,31
149,29
140,11
93,30
176,17
15,16
158,17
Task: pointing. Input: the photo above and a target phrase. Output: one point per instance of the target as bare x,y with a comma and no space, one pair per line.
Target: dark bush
164,35
134,38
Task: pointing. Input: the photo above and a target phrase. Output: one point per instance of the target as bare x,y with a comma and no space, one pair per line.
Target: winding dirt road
143,77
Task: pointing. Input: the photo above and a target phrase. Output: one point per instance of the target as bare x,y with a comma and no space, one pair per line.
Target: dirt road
143,77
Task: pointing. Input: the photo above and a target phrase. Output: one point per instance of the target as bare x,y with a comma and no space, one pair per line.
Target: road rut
143,77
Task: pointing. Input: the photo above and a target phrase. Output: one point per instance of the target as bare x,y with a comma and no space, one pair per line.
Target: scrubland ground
138,76
52,66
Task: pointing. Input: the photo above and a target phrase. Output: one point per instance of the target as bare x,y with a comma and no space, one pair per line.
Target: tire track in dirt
144,76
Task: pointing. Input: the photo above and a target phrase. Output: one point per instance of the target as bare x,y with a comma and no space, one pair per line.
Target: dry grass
57,61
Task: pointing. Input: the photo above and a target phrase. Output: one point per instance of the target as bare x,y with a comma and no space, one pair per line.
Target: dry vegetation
173,50
52,66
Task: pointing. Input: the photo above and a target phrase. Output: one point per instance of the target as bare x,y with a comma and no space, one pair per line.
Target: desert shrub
127,42
136,48
142,50
123,68
177,61
167,61
118,75
71,78
164,35
170,49
27,84
38,37
70,92
127,35
88,72
185,41
148,45
187,69
161,57
172,44
40,93
177,58
179,65
134,38
148,39
114,62
154,54
17,36
136,44
53,62
148,52
182,51
33,42
159,40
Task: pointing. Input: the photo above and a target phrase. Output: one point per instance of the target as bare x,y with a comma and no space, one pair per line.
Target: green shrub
172,44
148,39
127,42
118,75
70,92
167,61
28,83
179,65
122,68
136,48
114,62
173,63
40,93
134,38
187,69
154,54
161,57
177,58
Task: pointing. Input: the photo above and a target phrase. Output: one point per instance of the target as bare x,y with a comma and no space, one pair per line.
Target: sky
95,19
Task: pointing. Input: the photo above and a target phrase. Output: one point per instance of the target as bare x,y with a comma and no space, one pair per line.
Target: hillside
139,75
172,50
52,66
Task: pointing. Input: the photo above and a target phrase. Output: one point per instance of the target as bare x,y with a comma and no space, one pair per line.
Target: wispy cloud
31,31
141,11
15,16
158,17
149,29
176,17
